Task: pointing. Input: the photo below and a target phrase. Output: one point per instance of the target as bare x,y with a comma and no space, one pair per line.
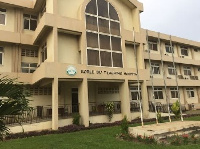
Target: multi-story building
77,55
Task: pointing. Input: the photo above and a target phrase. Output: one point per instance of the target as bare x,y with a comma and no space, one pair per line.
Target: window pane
32,70
155,48
91,7
103,25
24,65
117,60
33,65
1,58
116,44
105,58
92,40
113,13
91,23
115,28
33,25
102,8
25,70
26,24
2,18
134,95
104,42
93,57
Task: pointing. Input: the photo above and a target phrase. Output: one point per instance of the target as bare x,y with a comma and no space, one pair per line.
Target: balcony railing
99,108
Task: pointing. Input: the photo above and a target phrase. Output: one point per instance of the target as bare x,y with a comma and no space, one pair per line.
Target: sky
179,18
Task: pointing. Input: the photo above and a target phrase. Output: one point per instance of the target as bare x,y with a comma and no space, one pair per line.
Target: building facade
78,55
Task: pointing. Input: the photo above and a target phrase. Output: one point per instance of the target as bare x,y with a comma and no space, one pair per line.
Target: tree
13,101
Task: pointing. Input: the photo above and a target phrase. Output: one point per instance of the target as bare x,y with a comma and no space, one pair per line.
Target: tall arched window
103,35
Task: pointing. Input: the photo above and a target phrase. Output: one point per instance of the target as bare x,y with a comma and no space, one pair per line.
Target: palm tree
13,101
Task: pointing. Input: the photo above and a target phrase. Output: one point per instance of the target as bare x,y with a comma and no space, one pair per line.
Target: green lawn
103,138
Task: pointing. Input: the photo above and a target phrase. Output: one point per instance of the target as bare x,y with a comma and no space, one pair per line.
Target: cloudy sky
175,17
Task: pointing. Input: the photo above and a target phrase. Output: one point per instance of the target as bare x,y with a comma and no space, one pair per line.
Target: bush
110,110
76,118
124,125
176,109
159,116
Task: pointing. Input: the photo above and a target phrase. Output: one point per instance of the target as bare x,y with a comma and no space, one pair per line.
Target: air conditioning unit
146,50
169,78
166,54
182,56
195,50
186,78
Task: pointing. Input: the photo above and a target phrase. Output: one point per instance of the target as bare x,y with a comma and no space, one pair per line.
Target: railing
99,108
134,106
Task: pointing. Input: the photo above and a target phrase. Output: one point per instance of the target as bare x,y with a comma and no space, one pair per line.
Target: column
125,99
83,102
145,100
55,103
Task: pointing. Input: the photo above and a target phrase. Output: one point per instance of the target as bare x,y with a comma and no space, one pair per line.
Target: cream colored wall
68,49
130,56
7,59
69,8
196,55
10,20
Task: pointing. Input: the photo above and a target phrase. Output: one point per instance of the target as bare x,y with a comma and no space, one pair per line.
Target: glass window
1,55
93,57
92,7
102,8
190,92
103,34
29,53
158,93
30,22
103,26
91,23
187,71
184,51
92,40
174,92
44,52
2,16
106,58
171,69
104,42
135,93
153,46
169,49
113,13
117,60
155,68
28,67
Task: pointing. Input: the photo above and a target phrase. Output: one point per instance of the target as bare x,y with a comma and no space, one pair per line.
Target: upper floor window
2,16
28,67
174,92
30,22
155,68
169,49
187,71
1,55
171,69
29,53
190,92
153,46
158,93
103,35
184,51
44,52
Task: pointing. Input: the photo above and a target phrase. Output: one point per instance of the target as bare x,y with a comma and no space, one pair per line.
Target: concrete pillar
55,45
125,99
83,102
145,100
51,6
55,103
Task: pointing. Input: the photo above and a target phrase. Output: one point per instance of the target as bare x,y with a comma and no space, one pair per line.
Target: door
75,107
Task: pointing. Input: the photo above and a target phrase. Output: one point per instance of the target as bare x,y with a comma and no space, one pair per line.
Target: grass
89,139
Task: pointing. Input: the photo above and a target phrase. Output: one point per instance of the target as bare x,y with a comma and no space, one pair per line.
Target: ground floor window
158,93
174,92
190,92
135,93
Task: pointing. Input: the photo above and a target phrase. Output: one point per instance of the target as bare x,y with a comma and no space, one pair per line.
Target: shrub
159,116
124,125
176,109
76,118
110,110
